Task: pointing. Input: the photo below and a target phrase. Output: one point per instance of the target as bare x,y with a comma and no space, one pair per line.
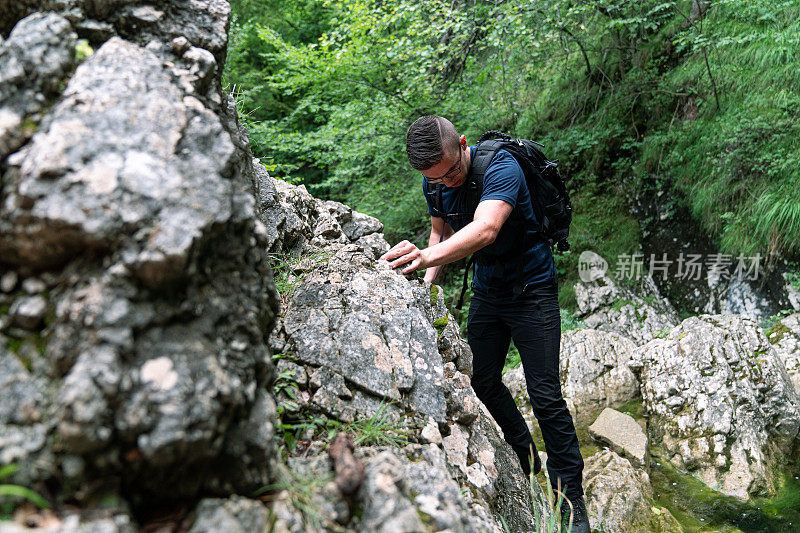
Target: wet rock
721,402
639,315
623,434
619,498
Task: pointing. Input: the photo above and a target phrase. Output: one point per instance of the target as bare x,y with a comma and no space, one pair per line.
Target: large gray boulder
411,490
721,403
129,192
639,314
594,371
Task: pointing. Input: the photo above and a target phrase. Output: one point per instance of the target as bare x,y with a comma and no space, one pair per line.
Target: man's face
451,170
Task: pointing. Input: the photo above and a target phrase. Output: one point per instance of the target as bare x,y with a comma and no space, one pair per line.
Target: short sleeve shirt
503,180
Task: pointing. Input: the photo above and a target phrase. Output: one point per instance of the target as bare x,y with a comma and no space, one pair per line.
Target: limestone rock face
619,498
640,315
721,402
594,371
139,351
202,23
364,335
785,338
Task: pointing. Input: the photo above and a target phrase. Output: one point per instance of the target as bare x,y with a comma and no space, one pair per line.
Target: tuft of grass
16,491
569,321
301,491
548,520
380,429
284,271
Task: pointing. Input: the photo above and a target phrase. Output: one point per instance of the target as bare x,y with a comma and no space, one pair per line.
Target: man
496,315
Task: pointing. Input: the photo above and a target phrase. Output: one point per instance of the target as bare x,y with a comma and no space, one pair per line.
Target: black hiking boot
524,455
580,519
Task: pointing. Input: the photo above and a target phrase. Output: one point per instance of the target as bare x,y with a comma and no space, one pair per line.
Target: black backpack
549,197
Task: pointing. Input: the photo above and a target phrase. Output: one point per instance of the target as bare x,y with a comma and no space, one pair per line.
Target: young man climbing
507,259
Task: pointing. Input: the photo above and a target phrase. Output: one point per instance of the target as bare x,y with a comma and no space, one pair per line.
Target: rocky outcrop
364,341
784,336
640,315
721,402
620,499
128,208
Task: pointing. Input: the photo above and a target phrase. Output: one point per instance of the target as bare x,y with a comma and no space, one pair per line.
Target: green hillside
698,99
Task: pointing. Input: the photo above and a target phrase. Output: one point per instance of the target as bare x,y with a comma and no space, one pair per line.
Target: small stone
9,281
623,434
147,14
28,312
33,286
73,466
430,433
180,45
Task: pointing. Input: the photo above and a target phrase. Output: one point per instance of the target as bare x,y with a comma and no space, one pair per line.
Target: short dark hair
428,139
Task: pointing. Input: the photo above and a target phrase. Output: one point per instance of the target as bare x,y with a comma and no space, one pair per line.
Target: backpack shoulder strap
484,153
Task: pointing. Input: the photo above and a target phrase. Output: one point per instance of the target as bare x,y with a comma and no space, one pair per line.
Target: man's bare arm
439,232
482,231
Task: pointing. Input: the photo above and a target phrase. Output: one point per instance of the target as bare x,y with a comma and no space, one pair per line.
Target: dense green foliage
697,98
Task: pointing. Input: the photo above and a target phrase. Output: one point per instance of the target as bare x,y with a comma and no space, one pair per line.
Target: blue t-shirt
503,180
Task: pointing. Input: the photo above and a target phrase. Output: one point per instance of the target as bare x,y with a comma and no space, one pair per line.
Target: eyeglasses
451,172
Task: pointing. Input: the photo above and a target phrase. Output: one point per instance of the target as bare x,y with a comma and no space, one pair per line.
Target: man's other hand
407,253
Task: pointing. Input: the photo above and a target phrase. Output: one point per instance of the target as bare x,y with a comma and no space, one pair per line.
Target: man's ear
463,141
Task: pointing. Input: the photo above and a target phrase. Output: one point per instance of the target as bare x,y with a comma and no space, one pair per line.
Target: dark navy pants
533,320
